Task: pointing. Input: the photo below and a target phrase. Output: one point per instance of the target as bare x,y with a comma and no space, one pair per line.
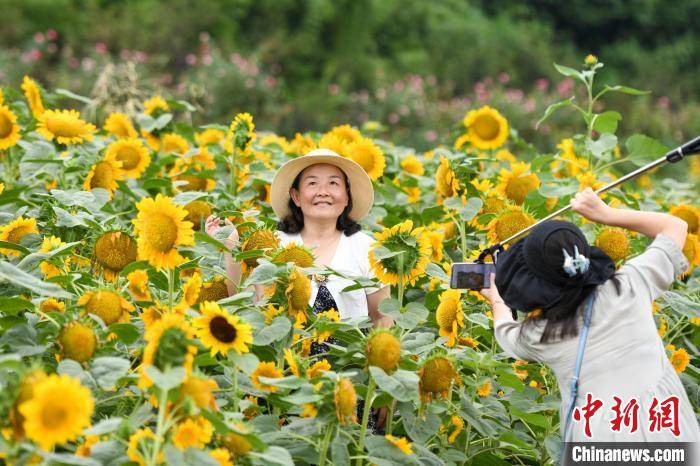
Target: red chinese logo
666,417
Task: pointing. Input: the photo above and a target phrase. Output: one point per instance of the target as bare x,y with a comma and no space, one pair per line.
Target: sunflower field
121,344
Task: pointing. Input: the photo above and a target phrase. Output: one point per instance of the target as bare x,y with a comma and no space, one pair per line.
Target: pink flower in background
191,59
431,135
125,54
39,38
514,95
381,93
207,60
399,86
564,88
529,105
30,56
101,48
73,62
271,81
503,77
542,84
88,63
140,57
488,80
333,89
393,118
663,102
51,34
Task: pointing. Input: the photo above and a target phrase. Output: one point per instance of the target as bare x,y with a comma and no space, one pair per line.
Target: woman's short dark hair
561,320
294,221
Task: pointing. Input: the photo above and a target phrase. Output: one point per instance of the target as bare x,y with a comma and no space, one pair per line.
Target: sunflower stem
390,418
235,387
162,401
401,284
324,445
365,418
171,286
233,170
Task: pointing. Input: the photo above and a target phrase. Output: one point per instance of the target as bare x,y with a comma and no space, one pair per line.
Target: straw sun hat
361,189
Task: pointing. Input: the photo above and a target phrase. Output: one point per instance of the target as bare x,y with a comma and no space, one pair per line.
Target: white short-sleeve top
350,259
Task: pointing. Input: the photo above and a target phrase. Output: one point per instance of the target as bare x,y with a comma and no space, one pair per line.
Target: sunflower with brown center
264,240
107,305
486,127
221,331
214,290
132,154
435,377
449,315
105,174
113,251
14,231
614,242
160,226
413,247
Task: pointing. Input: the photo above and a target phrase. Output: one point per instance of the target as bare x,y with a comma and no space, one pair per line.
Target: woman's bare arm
373,300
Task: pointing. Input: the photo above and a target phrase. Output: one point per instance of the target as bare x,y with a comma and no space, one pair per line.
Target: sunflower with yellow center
191,289
174,143
401,443
265,369
52,305
680,359
298,293
369,156
77,341
58,412
458,424
107,305
14,231
436,376
346,133
690,214
446,182
222,456
516,183
105,174
614,242
461,141
33,94
334,143
318,368
241,134
221,331
330,315
9,129
132,154
152,140
65,127
484,389
412,164
141,445
383,350
302,145
155,105
120,125
294,252
138,285
345,401
169,343
49,269
192,433
160,226
449,315
113,251
413,256
200,391
209,136
486,127
508,222
569,164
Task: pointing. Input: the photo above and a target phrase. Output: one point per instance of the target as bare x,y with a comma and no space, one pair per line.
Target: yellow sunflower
159,227
118,124
383,349
346,133
298,293
292,361
168,344
412,164
449,315
689,213
412,246
516,183
173,142
318,368
132,154
141,445
14,231
680,359
197,212
369,156
294,252
222,331
614,242
9,129
334,143
446,182
155,104
192,433
58,411
33,95
401,443
200,391
222,456
569,164
486,127
508,222
302,145
138,285
107,305
65,126
241,134
77,341
52,305
49,269
113,251
265,369
484,389
691,251
104,174
209,136
152,140
345,401
214,290
259,240
436,376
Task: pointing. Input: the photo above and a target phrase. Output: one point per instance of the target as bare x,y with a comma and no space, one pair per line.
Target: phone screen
471,276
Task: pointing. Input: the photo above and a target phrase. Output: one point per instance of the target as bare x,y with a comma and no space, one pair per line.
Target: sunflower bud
345,400
77,341
383,350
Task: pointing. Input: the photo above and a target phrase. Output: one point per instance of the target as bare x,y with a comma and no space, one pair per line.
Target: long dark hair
561,320
294,222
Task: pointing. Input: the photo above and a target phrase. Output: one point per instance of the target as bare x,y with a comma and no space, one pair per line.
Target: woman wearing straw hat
595,328
319,198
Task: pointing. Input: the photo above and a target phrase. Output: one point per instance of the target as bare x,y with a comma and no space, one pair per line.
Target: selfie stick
673,156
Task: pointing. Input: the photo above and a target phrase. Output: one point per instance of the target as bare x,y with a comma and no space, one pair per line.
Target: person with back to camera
555,269
319,198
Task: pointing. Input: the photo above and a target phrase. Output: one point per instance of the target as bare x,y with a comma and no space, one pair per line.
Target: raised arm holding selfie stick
595,327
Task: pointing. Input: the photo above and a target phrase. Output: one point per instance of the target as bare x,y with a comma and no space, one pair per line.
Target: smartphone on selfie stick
476,275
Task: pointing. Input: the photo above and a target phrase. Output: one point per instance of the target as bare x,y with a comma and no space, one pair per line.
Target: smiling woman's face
322,193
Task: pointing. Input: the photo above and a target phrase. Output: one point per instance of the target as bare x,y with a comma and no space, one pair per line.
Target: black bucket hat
531,275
